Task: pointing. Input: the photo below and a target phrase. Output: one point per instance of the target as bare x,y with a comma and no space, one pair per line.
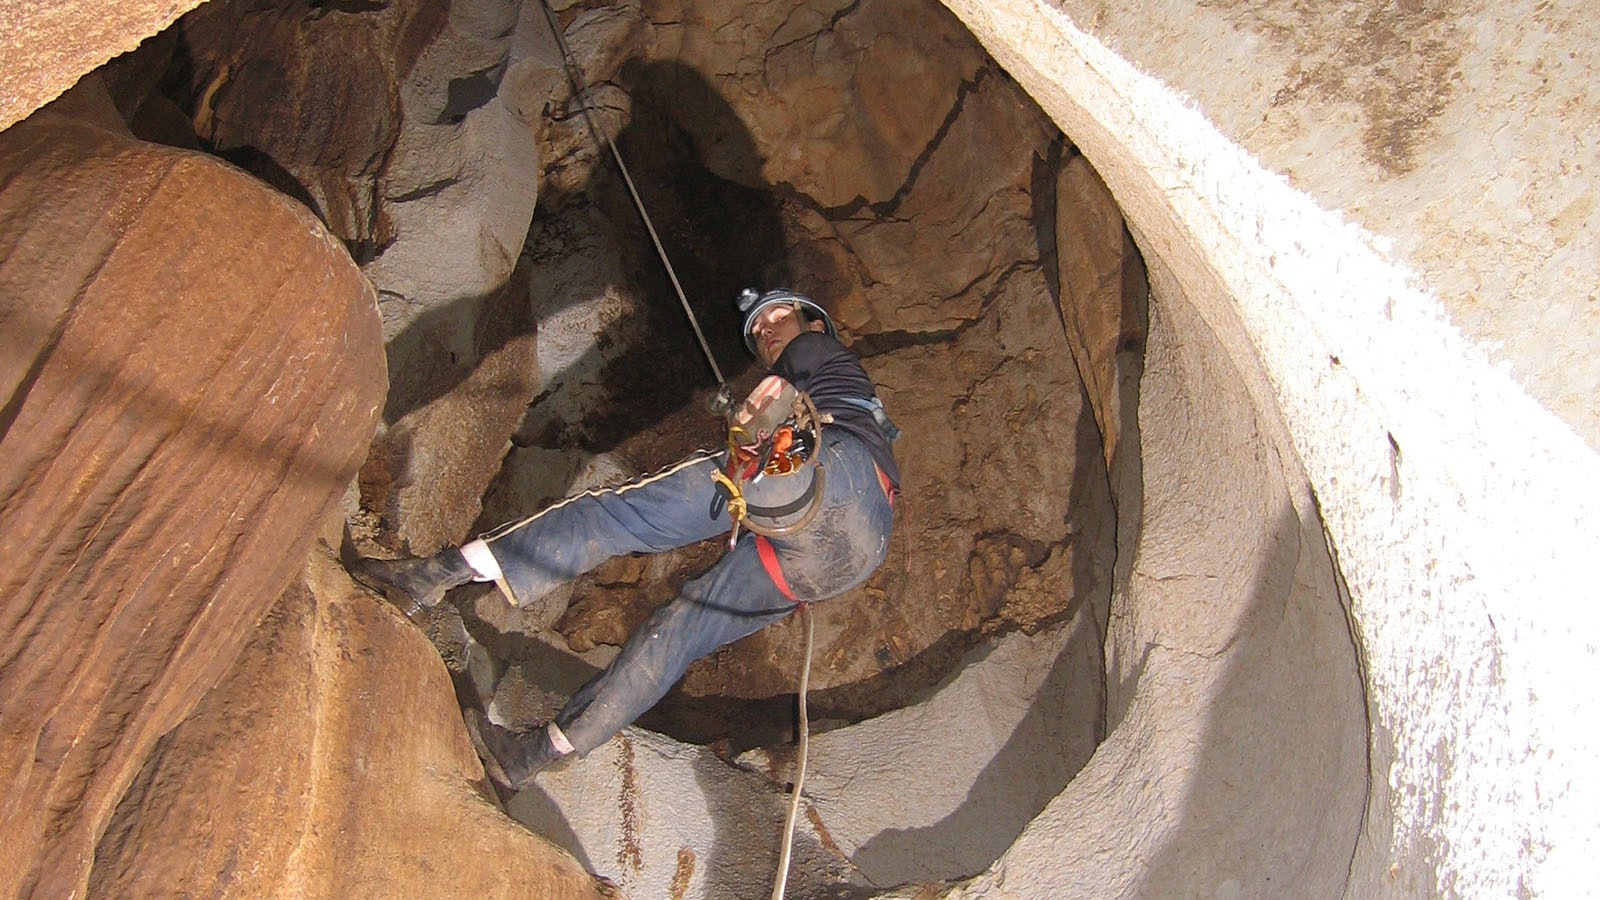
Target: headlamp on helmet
753,303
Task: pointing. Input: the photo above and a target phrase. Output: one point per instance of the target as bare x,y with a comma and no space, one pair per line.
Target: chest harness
772,481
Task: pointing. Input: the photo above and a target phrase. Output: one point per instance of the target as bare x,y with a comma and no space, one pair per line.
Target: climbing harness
581,94
773,441
880,416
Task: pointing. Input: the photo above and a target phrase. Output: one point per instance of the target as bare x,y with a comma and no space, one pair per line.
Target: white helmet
753,302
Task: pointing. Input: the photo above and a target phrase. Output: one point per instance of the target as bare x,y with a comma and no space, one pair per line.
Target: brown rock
191,370
846,97
426,475
1103,288
306,98
50,44
941,214
330,762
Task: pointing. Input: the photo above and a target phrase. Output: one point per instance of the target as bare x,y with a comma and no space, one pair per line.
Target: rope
800,765
597,129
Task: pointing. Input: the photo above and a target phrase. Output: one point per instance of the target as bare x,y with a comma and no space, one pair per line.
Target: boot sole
408,605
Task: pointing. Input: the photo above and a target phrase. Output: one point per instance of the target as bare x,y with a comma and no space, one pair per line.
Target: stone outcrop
459,185
307,96
1104,293
49,45
192,372
1229,538
186,410
1342,225
338,745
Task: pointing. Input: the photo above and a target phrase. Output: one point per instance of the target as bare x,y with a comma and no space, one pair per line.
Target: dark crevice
1042,187
833,22
885,342
320,8
886,209
427,190
470,92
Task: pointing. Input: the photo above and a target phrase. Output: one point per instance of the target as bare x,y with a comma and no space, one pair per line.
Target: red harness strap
889,489
769,561
769,554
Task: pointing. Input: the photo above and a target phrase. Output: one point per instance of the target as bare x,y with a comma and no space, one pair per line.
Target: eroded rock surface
192,370
339,748
307,96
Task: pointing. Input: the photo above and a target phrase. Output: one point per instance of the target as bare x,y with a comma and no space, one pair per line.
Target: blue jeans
842,545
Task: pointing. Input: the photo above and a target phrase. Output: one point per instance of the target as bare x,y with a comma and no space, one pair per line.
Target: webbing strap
769,561
793,506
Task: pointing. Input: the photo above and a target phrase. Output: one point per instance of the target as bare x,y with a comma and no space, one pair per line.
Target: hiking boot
510,758
414,583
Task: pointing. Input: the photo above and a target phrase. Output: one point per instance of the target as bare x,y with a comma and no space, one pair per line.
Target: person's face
775,327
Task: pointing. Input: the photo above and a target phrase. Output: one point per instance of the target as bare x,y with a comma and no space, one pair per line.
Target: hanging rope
800,765
574,75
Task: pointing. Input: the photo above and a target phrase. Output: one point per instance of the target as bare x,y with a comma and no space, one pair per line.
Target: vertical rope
800,765
603,136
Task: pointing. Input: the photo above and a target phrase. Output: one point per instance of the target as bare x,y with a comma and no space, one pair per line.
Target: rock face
192,371
49,45
338,744
413,138
459,185
1456,484
191,388
340,74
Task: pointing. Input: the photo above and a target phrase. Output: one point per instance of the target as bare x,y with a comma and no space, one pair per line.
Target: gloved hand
773,402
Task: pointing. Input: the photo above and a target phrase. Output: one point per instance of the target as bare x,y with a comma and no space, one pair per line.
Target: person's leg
662,511
655,513
529,557
512,758
844,544
734,598
414,583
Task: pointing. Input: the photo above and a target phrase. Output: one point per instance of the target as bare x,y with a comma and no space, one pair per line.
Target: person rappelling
804,490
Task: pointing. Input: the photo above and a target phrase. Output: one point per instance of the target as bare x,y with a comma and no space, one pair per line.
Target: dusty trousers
843,544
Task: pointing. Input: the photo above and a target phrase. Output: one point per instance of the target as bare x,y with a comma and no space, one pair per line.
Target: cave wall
47,46
1303,211
853,219
1411,300
1235,760
195,696
191,367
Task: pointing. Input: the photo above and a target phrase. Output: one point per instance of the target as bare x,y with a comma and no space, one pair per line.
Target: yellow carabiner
736,504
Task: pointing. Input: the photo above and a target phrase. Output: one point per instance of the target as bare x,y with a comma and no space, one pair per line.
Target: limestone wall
1428,355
